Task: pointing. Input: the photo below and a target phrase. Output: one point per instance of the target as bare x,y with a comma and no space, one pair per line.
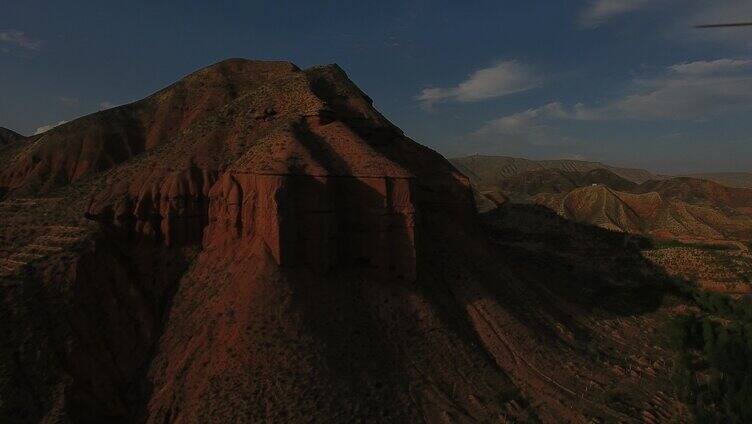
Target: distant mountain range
619,199
488,170
730,179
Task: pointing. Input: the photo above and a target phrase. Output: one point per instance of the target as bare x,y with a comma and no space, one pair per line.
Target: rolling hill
681,207
729,179
557,181
488,171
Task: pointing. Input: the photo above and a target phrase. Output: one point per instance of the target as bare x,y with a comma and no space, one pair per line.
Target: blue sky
628,82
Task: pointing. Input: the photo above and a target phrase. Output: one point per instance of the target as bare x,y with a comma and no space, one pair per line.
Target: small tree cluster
713,367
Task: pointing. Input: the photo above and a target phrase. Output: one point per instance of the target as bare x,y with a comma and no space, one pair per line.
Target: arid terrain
256,242
702,229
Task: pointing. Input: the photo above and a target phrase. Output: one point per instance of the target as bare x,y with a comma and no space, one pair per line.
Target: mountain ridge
488,170
729,179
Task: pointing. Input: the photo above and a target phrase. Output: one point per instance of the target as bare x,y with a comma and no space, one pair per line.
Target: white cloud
712,67
686,91
523,122
599,12
106,105
46,128
531,127
695,90
19,39
504,78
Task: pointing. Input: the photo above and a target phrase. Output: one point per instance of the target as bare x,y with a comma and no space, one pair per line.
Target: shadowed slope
7,136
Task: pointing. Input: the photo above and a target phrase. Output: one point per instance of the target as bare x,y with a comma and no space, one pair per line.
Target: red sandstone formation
260,244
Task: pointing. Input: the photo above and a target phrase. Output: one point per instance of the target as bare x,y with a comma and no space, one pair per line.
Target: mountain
597,205
105,139
257,242
557,181
7,136
729,179
486,171
695,190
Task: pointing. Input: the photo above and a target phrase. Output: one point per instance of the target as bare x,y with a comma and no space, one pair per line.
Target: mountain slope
72,151
597,205
729,179
7,136
647,213
694,190
487,171
556,181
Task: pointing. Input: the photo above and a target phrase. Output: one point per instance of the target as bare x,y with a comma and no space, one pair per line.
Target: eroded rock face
166,207
319,222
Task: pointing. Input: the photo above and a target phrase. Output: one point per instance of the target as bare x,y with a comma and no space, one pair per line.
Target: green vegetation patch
713,367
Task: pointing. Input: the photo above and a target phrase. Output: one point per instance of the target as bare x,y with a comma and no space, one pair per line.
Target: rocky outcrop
168,207
320,222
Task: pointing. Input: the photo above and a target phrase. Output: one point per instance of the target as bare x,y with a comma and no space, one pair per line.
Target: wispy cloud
599,12
688,91
523,122
504,78
17,38
529,127
106,105
720,66
45,128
